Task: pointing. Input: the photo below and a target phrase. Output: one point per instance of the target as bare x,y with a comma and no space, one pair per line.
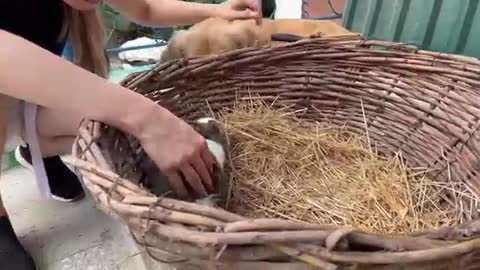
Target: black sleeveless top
39,21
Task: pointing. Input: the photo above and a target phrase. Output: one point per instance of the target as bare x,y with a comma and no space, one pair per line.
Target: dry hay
284,167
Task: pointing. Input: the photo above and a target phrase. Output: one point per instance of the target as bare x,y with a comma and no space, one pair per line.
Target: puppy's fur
216,35
306,28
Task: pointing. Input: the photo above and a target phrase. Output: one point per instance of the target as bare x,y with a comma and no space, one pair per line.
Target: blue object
160,34
120,49
68,51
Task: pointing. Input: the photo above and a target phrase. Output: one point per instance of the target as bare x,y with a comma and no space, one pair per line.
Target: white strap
35,152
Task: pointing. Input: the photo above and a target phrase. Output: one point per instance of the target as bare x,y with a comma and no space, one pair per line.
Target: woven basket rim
446,242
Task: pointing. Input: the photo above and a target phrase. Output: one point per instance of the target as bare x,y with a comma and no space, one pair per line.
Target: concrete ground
67,236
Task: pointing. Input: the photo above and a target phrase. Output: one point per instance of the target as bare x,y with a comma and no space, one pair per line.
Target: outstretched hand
178,150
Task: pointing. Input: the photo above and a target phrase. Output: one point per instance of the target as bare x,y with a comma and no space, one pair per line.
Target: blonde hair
86,33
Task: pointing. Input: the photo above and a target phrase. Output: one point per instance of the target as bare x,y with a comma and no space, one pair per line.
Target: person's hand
178,150
240,9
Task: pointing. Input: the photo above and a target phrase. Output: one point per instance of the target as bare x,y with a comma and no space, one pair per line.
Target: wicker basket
422,103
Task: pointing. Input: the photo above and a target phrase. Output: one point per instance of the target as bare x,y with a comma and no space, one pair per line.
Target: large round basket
424,104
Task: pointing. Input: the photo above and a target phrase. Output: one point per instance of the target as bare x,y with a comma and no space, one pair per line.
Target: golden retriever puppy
216,35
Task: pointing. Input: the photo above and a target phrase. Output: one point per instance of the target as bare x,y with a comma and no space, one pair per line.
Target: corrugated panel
451,26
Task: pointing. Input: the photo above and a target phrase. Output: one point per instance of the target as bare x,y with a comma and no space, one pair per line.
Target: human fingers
201,166
245,4
177,184
209,160
244,9
193,179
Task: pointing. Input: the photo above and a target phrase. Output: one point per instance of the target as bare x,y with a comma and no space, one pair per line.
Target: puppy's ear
197,44
175,47
257,34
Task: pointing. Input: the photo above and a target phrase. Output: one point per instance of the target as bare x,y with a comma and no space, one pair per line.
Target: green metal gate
451,26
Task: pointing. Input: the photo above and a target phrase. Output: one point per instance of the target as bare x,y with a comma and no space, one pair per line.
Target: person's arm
30,73
176,13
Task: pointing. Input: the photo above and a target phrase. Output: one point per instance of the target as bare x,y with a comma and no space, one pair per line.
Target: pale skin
53,83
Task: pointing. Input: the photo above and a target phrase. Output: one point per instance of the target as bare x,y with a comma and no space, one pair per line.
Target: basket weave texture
424,104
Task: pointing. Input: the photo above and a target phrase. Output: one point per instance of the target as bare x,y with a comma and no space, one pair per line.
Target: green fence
451,26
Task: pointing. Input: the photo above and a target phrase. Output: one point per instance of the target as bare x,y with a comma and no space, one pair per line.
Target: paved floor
66,236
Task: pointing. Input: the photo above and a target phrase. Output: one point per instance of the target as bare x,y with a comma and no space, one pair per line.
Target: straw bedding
315,172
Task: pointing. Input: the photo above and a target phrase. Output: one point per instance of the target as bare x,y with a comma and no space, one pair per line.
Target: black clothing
39,21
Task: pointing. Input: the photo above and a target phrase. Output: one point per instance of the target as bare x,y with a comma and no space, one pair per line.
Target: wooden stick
317,262
107,185
182,206
164,215
232,253
444,252
107,175
273,225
